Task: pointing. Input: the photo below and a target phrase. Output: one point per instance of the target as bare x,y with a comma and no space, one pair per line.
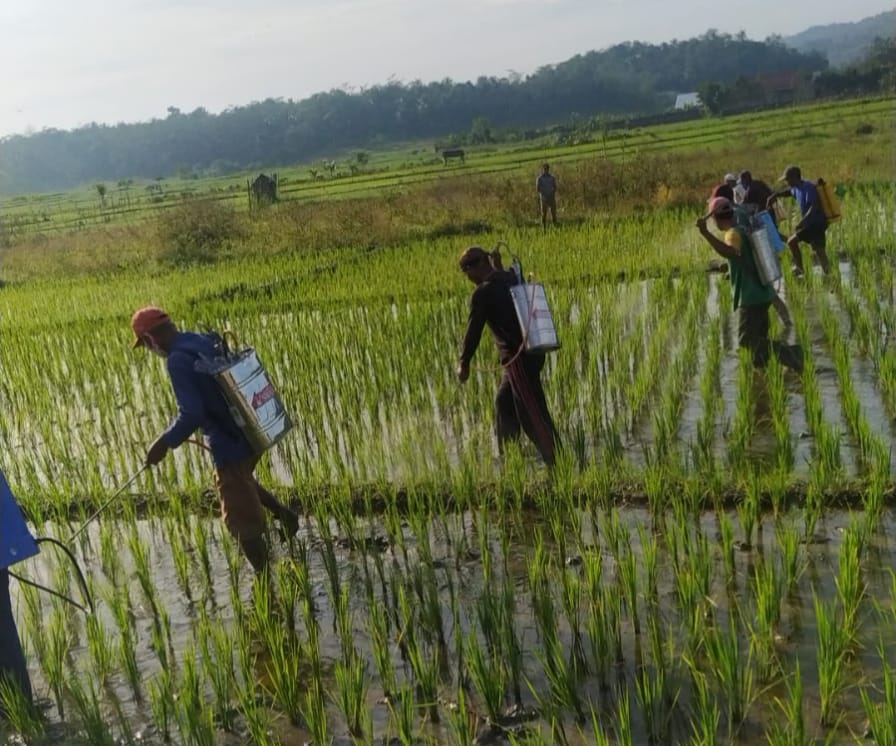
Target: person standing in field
520,404
813,224
751,297
16,544
546,188
201,406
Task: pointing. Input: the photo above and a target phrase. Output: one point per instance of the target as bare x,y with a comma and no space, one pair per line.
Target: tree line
629,78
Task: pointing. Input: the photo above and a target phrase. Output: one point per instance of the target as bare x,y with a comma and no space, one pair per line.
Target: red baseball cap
719,204
145,320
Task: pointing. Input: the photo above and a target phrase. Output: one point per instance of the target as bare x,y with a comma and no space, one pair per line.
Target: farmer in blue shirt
16,544
201,406
813,224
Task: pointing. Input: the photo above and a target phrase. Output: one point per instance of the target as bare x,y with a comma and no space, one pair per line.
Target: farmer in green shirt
751,297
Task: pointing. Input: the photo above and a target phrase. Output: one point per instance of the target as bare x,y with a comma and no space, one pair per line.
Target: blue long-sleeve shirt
200,404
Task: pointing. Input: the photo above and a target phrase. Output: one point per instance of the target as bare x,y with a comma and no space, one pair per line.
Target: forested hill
844,43
626,78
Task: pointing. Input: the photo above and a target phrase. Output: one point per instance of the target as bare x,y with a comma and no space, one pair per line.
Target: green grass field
401,169
709,563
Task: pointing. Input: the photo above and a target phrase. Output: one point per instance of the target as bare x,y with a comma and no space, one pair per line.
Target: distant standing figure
546,186
813,225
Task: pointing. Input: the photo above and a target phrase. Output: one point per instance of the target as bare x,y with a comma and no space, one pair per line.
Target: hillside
630,78
844,43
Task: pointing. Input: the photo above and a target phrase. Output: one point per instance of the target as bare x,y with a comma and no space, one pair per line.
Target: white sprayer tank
254,403
766,256
534,315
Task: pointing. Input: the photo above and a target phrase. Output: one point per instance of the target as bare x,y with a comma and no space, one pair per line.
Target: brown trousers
241,499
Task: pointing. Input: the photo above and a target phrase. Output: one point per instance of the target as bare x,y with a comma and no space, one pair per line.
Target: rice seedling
792,559
93,722
726,536
850,585
792,730
286,665
653,688
832,650
21,715
461,721
732,670
559,671
352,684
768,591
425,666
402,709
628,582
160,691
624,735
706,718
216,648
488,675
194,720
100,643
749,510
882,714
378,627
55,663
744,419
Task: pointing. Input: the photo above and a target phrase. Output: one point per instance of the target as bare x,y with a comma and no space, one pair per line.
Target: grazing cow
453,153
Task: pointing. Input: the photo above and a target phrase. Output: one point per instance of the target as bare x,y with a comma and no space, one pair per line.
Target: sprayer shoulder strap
227,422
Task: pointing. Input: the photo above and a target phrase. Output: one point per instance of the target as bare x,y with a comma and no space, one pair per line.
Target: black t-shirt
492,304
757,194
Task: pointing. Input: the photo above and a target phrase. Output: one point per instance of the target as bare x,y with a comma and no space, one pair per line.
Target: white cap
730,177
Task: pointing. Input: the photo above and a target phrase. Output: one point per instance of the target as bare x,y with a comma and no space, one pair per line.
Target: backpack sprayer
254,404
532,311
765,242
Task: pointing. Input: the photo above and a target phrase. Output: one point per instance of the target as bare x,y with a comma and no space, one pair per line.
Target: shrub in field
197,231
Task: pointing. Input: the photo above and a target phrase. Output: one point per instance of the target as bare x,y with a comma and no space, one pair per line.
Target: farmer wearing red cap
750,295
201,406
520,403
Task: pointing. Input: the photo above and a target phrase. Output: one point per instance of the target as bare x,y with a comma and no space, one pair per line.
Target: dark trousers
520,405
752,331
12,660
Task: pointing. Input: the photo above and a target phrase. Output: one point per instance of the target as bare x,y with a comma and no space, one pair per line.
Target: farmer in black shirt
756,193
520,402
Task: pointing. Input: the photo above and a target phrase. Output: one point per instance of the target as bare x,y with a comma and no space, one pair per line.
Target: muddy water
762,449
454,544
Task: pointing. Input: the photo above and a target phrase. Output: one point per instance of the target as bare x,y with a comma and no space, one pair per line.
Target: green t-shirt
748,290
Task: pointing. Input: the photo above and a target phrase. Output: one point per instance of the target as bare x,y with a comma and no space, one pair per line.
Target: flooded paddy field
603,626
711,560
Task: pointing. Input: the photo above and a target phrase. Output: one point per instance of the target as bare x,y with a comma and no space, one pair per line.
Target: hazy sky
70,62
